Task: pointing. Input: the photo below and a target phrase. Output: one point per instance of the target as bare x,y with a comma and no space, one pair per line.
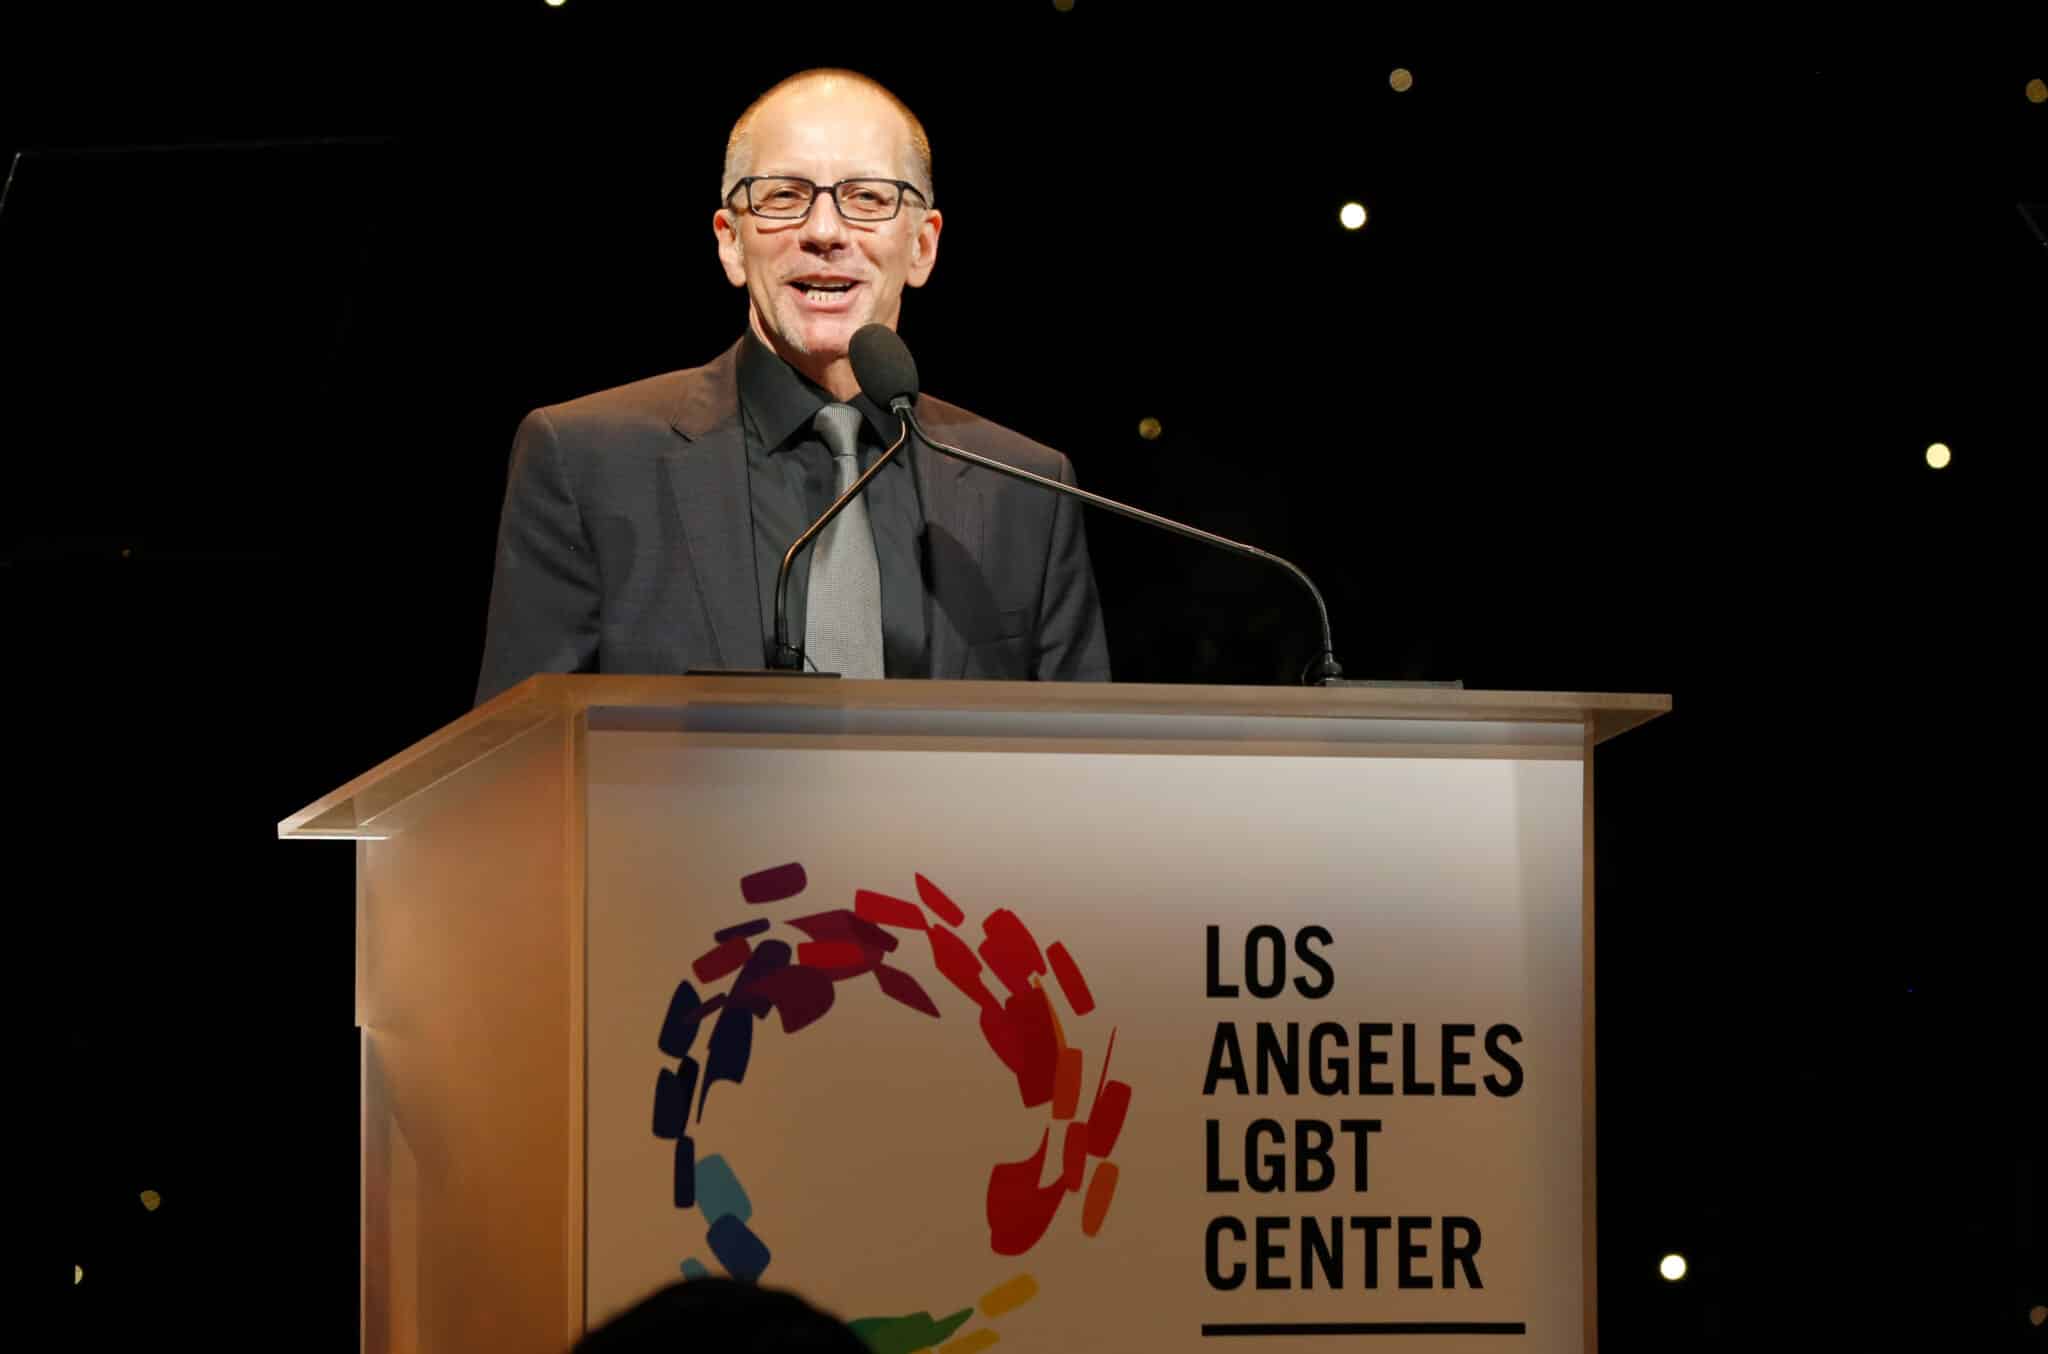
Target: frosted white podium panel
1074,1018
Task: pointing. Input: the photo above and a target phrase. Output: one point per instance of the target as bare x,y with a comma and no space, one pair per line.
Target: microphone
885,369
888,376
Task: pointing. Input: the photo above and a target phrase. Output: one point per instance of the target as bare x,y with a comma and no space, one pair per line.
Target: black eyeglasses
791,199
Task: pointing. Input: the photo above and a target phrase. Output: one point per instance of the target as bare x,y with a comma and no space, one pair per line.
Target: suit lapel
953,548
708,487
708,491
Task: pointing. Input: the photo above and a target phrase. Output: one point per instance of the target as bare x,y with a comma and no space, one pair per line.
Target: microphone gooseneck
1324,667
888,375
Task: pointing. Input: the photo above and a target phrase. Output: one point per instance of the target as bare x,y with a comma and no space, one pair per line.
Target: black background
1626,386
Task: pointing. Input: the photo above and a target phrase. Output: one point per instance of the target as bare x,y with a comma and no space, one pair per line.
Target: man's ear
924,248
725,225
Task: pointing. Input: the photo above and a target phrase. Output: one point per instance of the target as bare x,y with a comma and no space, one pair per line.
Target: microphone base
1453,685
752,672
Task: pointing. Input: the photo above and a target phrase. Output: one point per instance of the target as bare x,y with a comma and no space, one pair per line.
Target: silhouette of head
721,1316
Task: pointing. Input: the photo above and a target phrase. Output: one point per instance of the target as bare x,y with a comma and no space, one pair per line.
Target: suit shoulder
653,402
650,397
951,423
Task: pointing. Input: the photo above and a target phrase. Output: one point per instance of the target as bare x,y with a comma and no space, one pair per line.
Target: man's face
793,270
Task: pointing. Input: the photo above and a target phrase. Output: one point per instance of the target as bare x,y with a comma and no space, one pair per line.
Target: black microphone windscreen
883,365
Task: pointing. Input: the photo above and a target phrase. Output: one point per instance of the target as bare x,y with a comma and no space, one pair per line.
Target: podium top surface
1304,714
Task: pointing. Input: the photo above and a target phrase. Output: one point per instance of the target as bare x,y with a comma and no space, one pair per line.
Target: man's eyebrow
793,174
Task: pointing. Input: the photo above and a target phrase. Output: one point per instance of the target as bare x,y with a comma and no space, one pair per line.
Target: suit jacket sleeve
1072,643
546,597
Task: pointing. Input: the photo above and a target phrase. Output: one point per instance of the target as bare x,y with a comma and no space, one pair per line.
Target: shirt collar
782,401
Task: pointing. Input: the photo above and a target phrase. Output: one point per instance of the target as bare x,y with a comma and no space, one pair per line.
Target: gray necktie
843,606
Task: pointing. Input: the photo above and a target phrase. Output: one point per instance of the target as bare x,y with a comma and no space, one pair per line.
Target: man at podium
643,527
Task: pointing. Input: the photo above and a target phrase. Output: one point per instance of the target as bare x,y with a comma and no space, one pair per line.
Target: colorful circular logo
799,982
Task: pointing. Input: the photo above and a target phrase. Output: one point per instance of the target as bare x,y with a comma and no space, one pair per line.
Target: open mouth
823,292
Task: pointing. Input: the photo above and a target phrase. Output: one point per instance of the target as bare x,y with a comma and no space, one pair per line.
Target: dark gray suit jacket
626,544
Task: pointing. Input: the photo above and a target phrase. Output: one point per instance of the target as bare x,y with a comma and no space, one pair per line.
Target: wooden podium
788,977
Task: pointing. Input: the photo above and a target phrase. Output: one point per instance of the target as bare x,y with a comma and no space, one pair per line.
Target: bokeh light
1352,215
1939,456
1672,1267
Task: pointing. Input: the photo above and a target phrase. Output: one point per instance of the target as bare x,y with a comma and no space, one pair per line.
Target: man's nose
823,227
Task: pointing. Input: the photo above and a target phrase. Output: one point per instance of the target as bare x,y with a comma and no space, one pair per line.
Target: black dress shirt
791,481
